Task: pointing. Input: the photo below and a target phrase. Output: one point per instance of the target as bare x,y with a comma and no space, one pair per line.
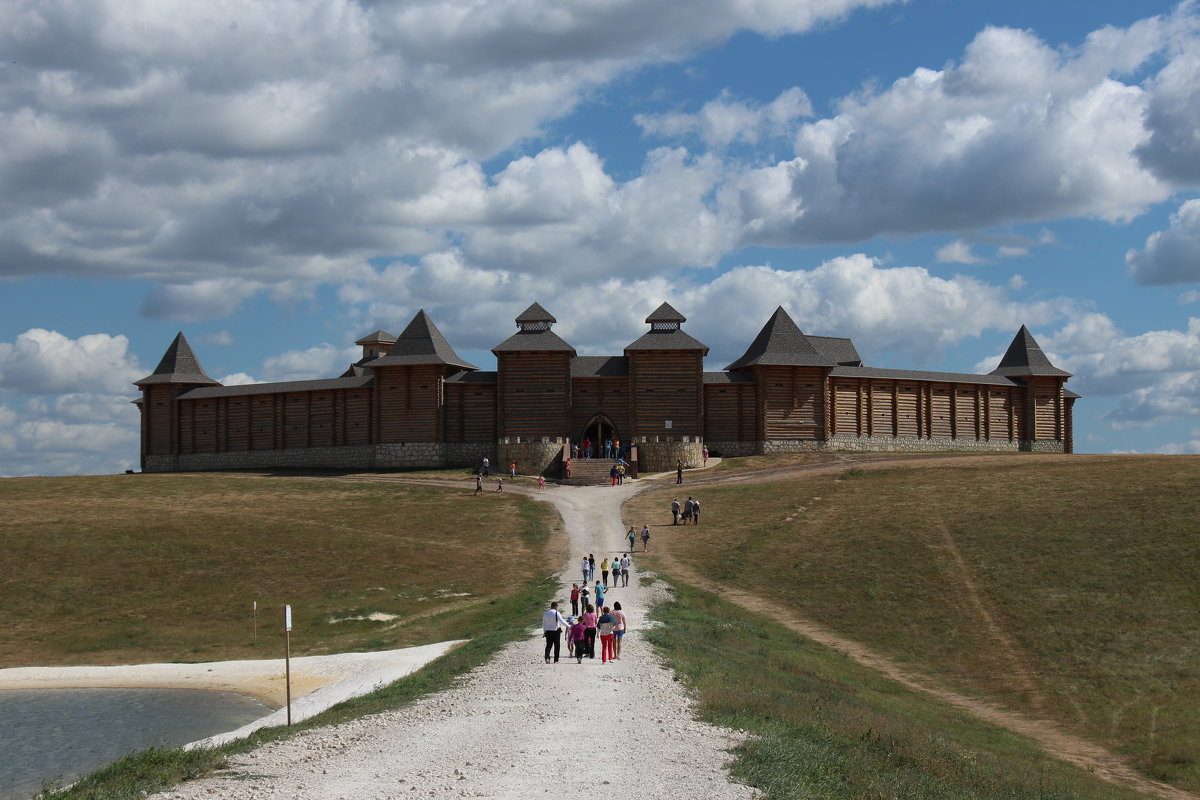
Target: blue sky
275,181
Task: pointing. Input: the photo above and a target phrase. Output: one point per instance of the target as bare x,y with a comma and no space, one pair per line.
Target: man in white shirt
552,625
626,563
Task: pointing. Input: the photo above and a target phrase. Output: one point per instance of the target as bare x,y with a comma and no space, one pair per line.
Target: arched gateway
599,429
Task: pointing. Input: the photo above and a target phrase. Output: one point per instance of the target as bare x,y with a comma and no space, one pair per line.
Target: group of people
611,448
631,535
607,624
618,567
688,512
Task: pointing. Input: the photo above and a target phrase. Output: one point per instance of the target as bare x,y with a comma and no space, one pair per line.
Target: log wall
408,403
592,396
666,385
470,412
729,412
534,394
792,402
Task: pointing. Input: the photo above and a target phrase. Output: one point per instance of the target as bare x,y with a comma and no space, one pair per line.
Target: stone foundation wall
662,456
1045,447
542,457
733,449
397,455
903,444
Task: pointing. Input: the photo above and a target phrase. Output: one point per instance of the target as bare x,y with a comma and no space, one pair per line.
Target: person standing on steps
645,539
552,625
618,630
675,511
632,537
678,472
574,599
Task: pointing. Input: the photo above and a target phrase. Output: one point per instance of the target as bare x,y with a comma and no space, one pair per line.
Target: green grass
823,727
134,568
505,619
1068,587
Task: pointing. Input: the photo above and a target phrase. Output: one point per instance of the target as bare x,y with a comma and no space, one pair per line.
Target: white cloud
321,361
220,338
1173,255
46,362
726,121
956,252
239,379
199,300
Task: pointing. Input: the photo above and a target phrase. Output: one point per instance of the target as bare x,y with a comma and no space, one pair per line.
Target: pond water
62,734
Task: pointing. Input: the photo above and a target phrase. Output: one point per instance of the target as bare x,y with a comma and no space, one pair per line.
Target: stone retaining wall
662,456
542,457
396,455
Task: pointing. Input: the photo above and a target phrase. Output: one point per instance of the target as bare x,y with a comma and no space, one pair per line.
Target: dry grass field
137,568
1066,587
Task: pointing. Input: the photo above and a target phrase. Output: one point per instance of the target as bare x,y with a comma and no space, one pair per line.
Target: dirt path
516,727
1057,741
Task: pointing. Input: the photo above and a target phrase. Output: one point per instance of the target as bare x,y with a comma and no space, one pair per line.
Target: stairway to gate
590,472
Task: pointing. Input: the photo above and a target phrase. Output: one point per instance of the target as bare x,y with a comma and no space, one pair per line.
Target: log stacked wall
470,412
408,403
729,412
592,396
535,392
792,401
666,385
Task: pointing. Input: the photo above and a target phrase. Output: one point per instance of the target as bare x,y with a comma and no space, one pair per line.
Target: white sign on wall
668,424
287,618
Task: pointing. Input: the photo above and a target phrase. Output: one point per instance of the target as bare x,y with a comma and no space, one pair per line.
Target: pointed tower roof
781,343
1025,358
178,365
534,334
665,313
421,343
377,337
535,313
665,333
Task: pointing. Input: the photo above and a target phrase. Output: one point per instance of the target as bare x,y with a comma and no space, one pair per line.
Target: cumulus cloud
956,252
46,362
1173,255
725,121
199,300
321,361
1013,131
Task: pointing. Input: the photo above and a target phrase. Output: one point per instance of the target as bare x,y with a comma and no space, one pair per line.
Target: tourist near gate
411,401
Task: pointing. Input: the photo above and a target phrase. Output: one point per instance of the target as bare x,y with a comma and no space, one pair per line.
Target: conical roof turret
1024,358
421,343
178,365
781,343
534,335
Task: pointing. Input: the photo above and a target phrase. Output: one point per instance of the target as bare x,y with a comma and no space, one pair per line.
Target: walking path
516,727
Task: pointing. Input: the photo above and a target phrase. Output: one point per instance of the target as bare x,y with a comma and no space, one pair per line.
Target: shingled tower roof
534,335
179,365
665,333
421,343
781,343
377,337
1025,358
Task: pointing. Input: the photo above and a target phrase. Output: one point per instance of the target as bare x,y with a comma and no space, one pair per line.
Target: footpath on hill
517,727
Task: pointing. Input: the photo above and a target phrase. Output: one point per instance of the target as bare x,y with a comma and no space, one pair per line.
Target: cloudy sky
276,179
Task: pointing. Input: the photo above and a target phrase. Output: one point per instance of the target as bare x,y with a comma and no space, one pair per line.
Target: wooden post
287,658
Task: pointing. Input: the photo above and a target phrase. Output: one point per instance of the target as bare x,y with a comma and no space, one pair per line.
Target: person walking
589,630
618,629
704,453
606,625
612,473
626,564
604,571
478,483
500,484
696,511
616,571
645,539
541,483
679,472
688,506
485,466
675,511
567,468
512,469
598,596
631,536
574,599
578,640
584,566
591,567
552,625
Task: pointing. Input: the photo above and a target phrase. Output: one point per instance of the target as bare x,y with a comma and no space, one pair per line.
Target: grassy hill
135,568
1065,587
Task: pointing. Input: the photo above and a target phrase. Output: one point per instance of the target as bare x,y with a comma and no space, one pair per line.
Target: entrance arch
598,429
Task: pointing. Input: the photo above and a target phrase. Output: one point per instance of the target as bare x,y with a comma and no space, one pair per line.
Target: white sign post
254,642
287,658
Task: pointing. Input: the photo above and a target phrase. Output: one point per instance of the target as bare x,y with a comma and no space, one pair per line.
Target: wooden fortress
411,401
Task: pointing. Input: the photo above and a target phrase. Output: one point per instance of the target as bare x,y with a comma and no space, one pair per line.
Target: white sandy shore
318,682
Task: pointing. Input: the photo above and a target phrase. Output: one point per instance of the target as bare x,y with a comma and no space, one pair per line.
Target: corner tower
178,371
1046,418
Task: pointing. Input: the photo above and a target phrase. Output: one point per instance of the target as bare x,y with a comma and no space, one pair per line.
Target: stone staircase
590,472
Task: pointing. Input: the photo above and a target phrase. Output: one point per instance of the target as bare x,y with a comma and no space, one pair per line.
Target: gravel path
516,727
